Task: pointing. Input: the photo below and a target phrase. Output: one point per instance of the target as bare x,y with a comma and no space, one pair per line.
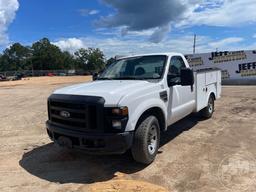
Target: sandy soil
45,81
195,155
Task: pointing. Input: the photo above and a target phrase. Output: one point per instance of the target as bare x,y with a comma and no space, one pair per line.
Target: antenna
194,46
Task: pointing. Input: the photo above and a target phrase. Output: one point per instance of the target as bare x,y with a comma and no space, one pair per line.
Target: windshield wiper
137,78
105,78
116,78
124,78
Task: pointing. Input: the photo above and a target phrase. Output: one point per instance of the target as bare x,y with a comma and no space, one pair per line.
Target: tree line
43,55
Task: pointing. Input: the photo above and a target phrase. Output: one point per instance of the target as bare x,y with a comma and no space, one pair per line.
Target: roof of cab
149,54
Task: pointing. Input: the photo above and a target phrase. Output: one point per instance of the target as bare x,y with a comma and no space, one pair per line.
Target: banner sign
235,65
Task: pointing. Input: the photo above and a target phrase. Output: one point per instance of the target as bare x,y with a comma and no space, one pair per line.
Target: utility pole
194,45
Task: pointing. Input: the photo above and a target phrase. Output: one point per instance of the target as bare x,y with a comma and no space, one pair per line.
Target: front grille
83,113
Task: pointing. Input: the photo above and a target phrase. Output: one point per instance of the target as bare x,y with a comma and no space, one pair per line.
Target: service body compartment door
201,94
218,85
207,82
210,77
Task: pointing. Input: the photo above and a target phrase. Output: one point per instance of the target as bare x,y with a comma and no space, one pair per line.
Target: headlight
122,111
116,118
117,124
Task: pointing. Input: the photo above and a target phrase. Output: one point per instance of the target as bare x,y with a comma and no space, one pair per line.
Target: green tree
15,58
90,59
68,60
1,63
46,56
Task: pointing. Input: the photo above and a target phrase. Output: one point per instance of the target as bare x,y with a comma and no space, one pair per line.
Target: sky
122,27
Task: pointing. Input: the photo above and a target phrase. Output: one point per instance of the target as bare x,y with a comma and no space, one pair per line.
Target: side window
176,64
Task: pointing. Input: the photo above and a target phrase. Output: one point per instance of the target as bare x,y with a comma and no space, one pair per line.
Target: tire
146,140
209,109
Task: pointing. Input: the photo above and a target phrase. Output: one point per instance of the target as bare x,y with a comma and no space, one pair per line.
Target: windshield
144,67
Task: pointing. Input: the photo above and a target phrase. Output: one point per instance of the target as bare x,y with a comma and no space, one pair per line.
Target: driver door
181,98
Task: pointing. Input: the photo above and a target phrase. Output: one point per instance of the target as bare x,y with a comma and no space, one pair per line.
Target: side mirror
187,77
95,76
170,78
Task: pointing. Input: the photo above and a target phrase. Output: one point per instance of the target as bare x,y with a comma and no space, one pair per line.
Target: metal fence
30,73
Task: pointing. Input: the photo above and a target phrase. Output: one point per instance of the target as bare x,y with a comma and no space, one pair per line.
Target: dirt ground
195,155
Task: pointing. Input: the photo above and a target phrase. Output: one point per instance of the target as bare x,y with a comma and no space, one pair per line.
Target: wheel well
213,95
158,113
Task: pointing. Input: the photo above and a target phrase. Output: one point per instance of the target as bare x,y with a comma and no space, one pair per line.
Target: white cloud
119,40
220,13
183,44
119,31
70,44
8,10
223,43
138,15
86,12
145,33
135,19
93,12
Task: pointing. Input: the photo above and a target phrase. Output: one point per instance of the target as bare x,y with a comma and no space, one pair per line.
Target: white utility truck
130,103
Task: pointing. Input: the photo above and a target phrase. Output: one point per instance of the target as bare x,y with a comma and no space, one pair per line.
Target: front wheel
146,140
209,109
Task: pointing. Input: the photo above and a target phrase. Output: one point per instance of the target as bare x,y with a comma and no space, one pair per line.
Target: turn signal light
123,111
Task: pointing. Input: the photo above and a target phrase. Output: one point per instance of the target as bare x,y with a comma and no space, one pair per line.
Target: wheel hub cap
152,140
210,106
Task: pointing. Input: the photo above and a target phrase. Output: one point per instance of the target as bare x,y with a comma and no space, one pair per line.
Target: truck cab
129,104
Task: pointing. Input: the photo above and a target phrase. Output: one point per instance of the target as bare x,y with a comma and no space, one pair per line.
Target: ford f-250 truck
130,103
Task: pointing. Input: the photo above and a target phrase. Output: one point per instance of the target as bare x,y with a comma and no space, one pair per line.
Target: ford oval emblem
65,114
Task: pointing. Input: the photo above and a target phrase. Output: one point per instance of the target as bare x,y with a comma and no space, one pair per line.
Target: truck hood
111,90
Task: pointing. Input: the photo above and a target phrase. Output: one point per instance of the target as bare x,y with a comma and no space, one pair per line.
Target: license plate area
65,142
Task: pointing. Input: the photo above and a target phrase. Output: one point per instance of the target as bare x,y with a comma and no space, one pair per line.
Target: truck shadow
53,164
179,127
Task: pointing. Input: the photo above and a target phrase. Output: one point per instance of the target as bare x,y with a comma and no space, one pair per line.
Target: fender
211,89
144,106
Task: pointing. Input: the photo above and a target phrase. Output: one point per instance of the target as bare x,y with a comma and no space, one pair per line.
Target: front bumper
94,143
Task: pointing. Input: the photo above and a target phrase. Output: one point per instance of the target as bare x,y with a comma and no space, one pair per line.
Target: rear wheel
146,140
209,109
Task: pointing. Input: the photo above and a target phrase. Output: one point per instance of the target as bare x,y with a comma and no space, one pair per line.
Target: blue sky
52,19
130,26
